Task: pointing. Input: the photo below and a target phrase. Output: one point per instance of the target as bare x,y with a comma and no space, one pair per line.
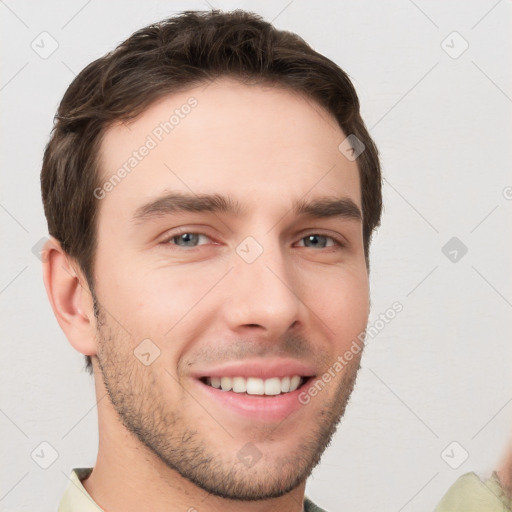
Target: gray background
437,374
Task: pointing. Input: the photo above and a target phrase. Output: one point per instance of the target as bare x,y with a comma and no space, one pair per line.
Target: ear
69,297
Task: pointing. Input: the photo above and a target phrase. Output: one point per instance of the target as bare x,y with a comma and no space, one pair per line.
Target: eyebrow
178,202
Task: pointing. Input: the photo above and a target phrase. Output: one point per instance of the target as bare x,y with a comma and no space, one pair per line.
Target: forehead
251,141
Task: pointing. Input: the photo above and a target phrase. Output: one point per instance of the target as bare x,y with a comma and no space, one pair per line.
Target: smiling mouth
273,386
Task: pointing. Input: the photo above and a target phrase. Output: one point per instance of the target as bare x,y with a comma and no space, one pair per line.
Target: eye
317,240
188,239
192,240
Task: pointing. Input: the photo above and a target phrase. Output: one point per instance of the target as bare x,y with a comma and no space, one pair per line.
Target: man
211,192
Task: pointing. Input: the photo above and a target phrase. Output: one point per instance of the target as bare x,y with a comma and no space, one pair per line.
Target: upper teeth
255,386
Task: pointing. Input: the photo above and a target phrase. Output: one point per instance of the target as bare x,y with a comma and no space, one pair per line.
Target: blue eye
320,241
192,240
186,239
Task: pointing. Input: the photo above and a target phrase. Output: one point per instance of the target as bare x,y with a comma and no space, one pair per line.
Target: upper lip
259,368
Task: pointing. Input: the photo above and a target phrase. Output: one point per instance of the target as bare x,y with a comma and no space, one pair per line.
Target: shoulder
472,494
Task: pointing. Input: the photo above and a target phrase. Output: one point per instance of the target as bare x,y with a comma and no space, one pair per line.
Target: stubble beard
144,411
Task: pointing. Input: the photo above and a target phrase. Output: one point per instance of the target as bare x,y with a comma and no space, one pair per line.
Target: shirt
470,494
77,499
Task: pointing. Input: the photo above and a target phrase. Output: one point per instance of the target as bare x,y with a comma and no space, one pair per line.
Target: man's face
253,299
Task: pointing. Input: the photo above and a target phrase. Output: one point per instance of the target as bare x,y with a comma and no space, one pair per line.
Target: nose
263,294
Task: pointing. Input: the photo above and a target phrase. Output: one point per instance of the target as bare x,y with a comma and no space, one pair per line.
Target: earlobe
69,297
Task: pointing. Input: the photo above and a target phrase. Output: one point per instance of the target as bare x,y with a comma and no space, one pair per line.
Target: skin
202,305
504,472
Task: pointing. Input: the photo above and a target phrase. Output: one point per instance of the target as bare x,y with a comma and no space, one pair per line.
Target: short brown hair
170,56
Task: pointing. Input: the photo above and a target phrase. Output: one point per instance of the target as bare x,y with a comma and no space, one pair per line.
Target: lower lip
257,407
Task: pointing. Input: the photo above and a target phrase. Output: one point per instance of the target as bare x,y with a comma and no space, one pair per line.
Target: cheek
342,303
153,302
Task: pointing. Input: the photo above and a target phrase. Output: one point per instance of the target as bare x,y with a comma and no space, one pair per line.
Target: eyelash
338,244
